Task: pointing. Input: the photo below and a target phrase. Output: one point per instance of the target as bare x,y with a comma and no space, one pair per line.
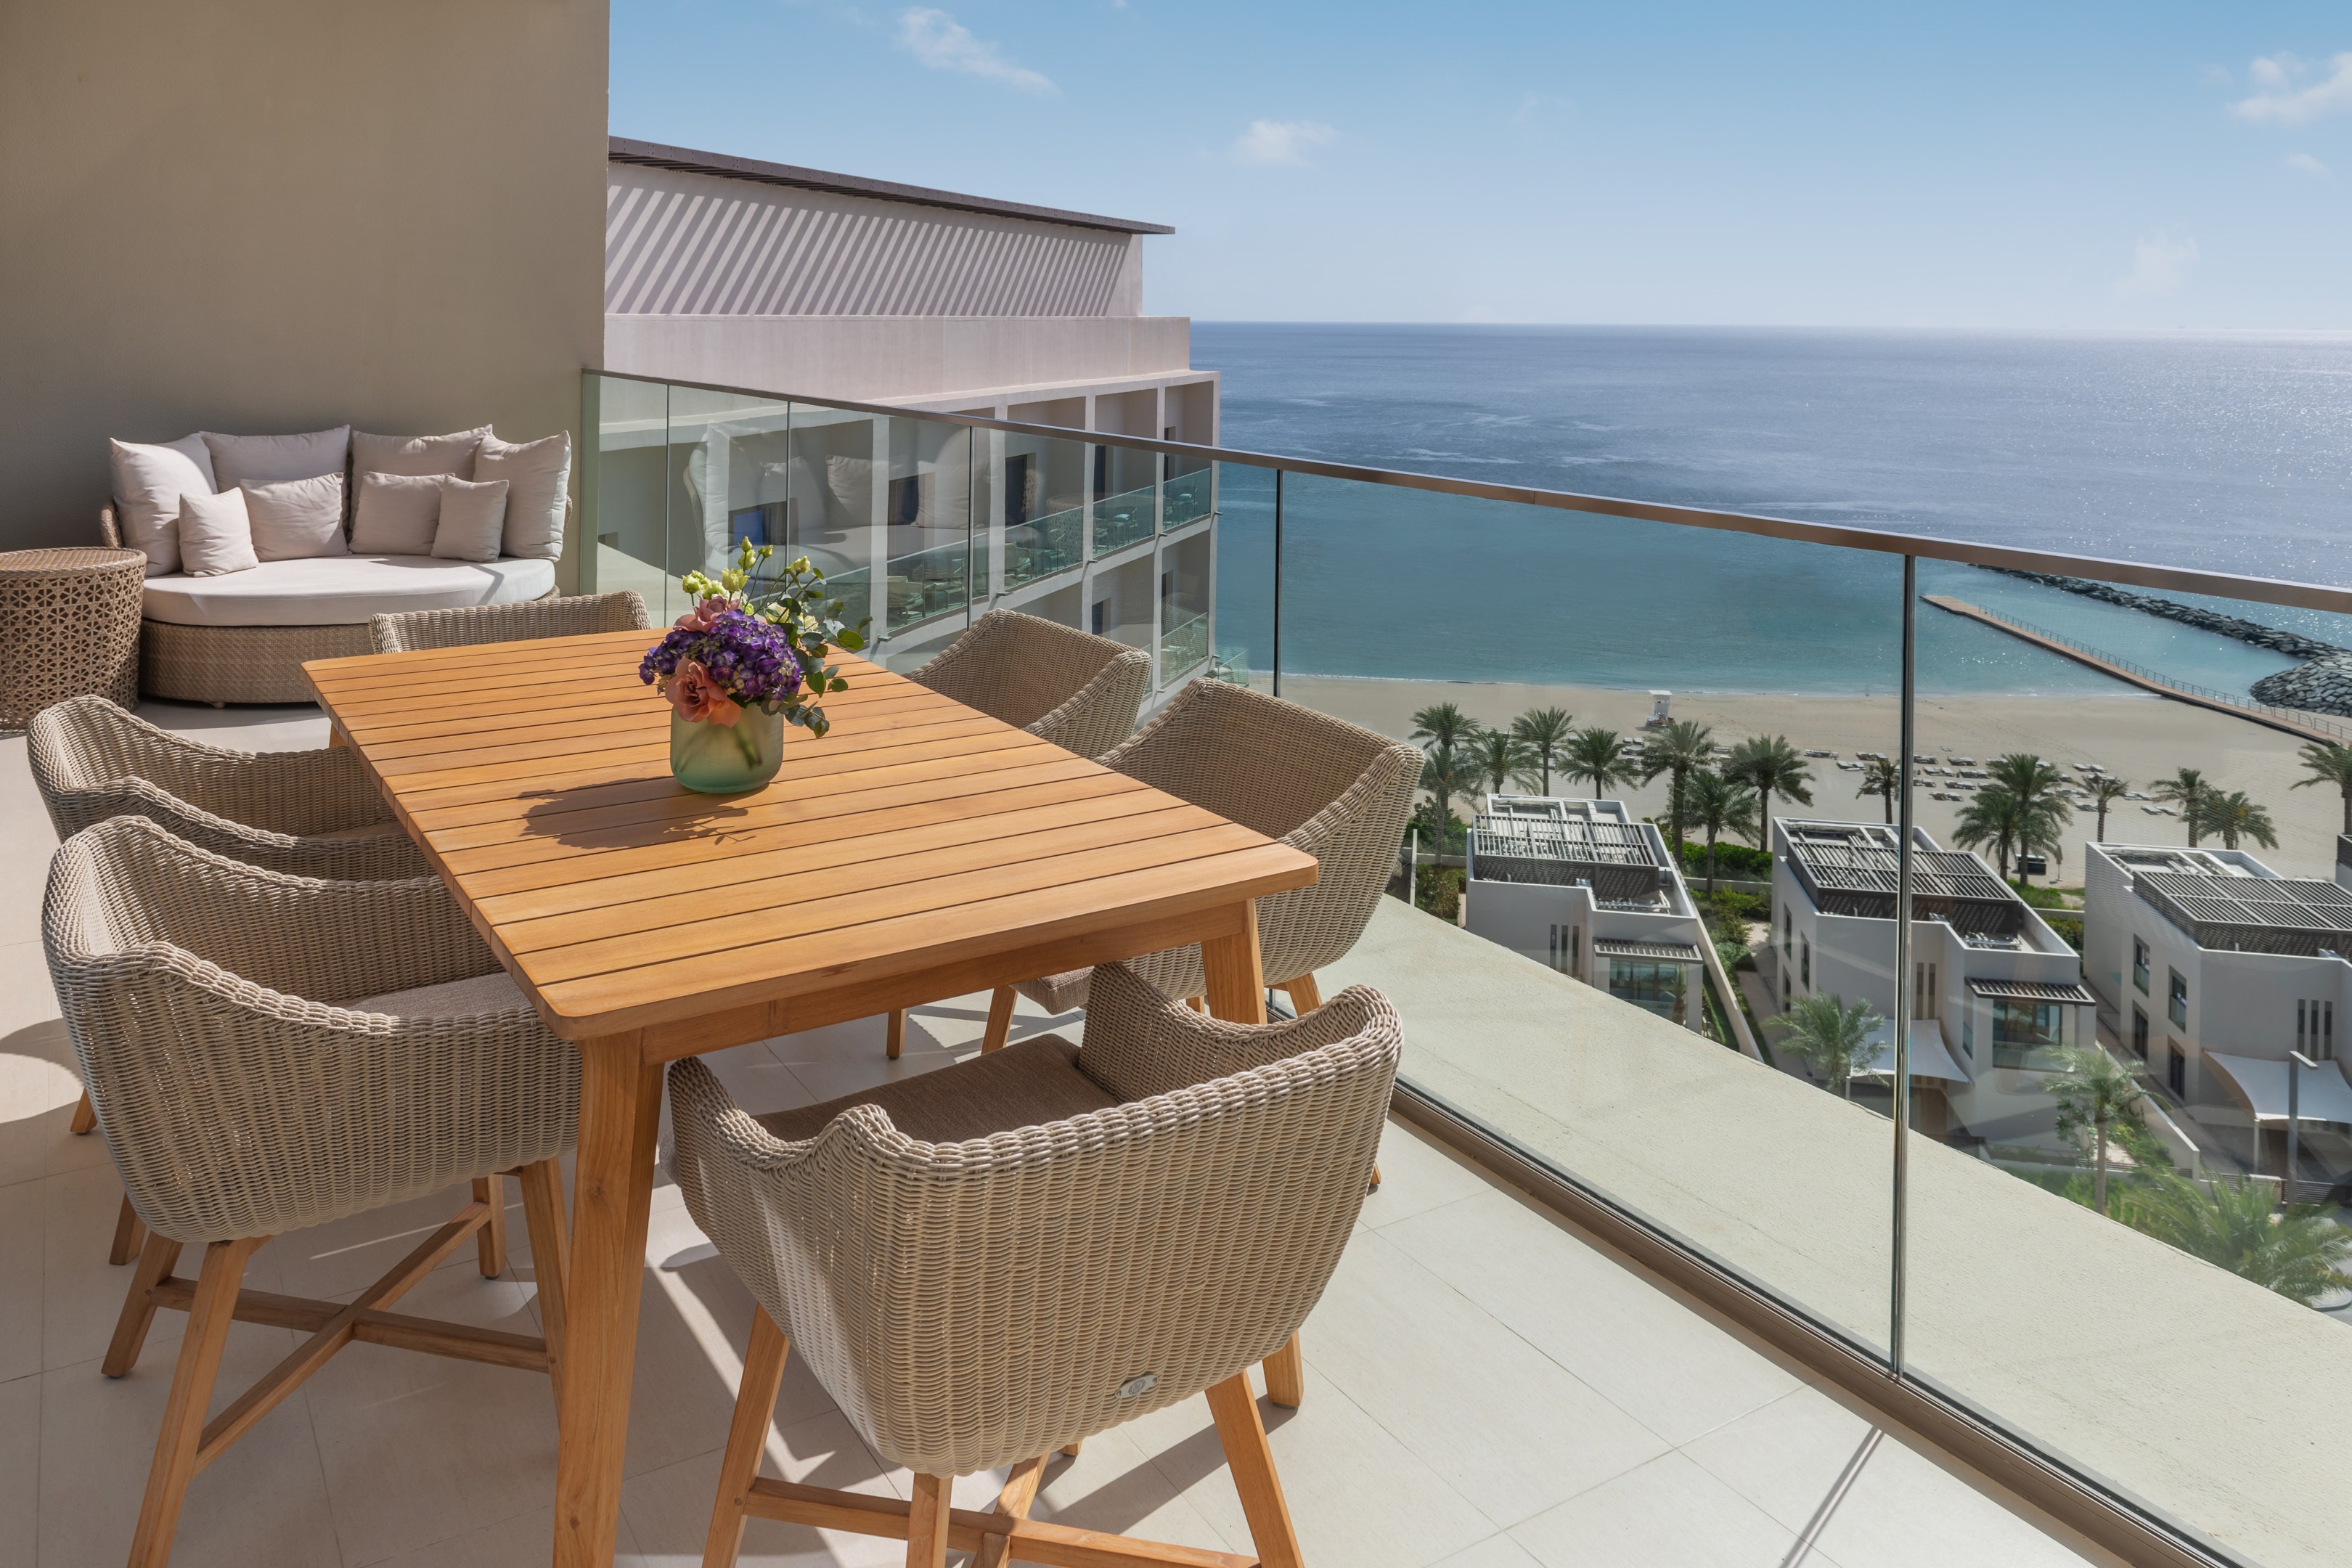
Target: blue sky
1980,165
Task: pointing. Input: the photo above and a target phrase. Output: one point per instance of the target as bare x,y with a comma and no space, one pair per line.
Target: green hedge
1733,861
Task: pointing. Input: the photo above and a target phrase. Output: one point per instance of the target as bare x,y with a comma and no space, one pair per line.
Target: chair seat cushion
493,992
1023,1085
342,590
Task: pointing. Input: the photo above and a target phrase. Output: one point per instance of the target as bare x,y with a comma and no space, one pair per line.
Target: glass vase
726,759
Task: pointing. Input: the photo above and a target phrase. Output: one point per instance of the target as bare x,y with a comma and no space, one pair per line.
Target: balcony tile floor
1486,1389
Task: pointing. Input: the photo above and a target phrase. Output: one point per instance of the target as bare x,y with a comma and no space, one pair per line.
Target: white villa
1581,886
2214,968
1993,988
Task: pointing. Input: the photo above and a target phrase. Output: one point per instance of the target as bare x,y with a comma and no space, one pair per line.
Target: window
2176,1071
2140,965
1656,987
2139,1033
2178,1005
2315,1029
2022,1032
1968,1030
1566,942
1787,932
1101,606
1805,965
904,501
1923,991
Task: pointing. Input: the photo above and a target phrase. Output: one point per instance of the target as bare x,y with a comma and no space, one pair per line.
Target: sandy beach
2136,736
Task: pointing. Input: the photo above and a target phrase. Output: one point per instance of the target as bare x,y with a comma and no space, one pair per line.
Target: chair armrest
1138,1042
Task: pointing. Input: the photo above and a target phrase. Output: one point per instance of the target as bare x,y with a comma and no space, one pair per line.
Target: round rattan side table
68,623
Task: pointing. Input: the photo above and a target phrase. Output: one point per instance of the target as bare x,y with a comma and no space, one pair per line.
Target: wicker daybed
196,644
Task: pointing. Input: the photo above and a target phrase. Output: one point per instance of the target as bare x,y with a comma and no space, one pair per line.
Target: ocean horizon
2227,452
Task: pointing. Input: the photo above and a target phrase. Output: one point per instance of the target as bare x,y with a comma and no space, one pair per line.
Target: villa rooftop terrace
1487,1387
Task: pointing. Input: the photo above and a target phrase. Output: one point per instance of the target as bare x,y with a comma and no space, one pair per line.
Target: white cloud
2304,163
942,43
2281,97
1281,141
2160,265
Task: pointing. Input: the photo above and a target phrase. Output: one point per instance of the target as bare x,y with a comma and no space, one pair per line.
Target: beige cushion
342,590
215,536
1023,1085
268,459
492,992
473,520
538,476
396,514
452,453
295,518
149,481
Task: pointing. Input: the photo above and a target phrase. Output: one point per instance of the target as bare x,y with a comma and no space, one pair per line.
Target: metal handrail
2138,574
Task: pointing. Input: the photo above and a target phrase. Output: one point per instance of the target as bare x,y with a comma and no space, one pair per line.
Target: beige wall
280,215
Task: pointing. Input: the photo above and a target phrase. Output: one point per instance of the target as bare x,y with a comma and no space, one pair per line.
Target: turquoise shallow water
2229,454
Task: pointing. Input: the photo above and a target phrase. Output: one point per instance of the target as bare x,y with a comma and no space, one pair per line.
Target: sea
2227,452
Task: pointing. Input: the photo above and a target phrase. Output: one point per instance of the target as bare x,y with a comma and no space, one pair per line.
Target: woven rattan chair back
571,617
307,814
977,1303
1079,690
238,1097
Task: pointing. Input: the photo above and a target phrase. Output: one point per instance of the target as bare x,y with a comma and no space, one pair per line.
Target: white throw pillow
149,481
452,453
396,514
296,519
268,459
538,476
473,517
215,536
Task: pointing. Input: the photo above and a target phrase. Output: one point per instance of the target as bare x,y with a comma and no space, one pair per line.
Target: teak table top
913,843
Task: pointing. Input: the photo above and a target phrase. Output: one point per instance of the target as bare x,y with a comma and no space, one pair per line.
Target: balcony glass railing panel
1034,507
1658,653
2079,749
1191,489
1124,519
630,467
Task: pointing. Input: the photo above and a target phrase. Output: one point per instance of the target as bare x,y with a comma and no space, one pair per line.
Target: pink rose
703,617
698,699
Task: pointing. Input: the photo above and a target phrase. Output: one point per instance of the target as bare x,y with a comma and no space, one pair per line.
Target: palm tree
1833,1039
2105,790
1442,726
2328,763
2232,816
1882,776
1990,820
2045,812
1684,745
1445,774
1545,732
1498,756
2185,789
2300,1253
1770,766
1719,806
2029,778
2093,1092
1600,755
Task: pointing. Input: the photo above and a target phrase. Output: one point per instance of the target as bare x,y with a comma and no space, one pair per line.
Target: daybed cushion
148,480
272,459
472,516
537,474
295,519
452,453
215,535
396,514
345,590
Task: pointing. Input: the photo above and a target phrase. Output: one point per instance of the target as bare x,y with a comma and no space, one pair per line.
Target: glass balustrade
2069,1151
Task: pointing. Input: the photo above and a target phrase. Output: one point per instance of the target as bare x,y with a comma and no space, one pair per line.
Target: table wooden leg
1235,980
1236,986
894,1035
620,1114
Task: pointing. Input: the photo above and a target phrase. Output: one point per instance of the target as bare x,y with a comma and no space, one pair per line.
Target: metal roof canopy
1930,1057
2078,994
659,155
2322,1095
1849,868
2298,917
1627,947
1616,859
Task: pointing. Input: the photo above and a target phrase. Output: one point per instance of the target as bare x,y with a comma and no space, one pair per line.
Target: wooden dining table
919,851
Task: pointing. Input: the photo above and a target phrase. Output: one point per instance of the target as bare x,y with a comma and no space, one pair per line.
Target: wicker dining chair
1339,793
1080,691
521,622
267,1053
307,814
992,1261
